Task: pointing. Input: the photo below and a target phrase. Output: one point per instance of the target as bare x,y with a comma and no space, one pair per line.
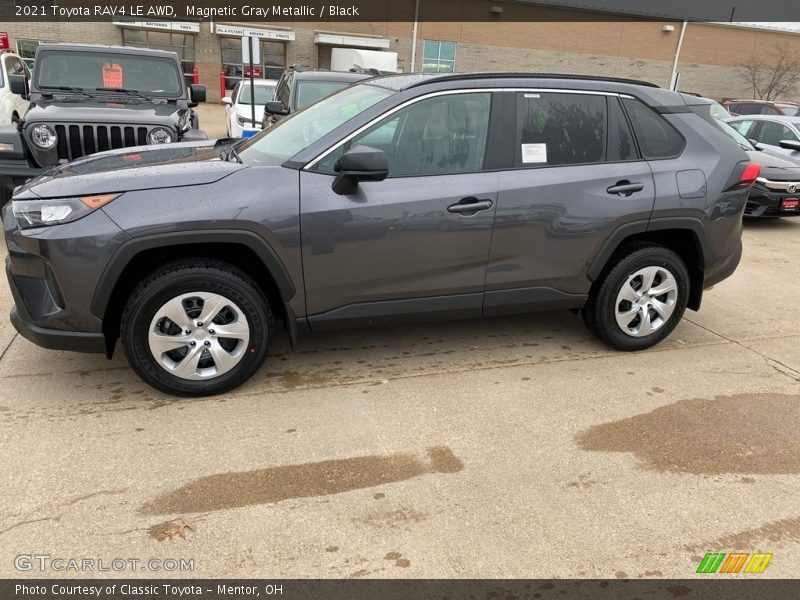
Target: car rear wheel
196,328
640,300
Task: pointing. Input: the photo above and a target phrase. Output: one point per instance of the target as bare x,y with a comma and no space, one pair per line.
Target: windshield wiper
127,91
66,88
231,152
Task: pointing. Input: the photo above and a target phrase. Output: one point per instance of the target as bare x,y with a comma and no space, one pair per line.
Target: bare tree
773,75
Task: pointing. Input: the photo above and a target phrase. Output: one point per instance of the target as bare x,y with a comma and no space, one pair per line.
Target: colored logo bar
734,562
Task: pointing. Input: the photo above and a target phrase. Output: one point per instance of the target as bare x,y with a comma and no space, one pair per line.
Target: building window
439,57
273,61
180,43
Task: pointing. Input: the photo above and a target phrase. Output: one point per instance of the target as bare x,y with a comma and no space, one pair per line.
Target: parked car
187,255
775,134
761,107
12,106
297,89
776,192
88,98
239,108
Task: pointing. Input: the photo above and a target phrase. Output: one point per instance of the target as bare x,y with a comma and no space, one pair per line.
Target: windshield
92,70
263,94
309,92
291,135
790,110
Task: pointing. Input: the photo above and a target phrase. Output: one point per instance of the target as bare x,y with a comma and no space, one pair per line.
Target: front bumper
54,339
763,202
52,273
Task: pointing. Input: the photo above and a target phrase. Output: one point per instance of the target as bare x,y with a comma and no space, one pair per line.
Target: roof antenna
733,11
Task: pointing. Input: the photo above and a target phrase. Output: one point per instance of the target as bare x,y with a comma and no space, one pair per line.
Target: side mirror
18,84
227,100
275,107
197,94
360,163
790,145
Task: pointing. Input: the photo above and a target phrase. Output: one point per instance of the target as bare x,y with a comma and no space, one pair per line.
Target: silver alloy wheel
198,336
646,301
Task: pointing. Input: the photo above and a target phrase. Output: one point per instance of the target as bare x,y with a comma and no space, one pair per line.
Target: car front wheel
196,328
640,300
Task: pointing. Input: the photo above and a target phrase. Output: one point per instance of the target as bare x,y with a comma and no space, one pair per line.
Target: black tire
184,277
599,312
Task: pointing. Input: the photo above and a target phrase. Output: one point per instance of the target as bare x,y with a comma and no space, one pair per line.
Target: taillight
750,174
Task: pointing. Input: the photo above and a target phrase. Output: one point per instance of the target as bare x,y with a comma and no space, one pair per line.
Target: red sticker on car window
112,75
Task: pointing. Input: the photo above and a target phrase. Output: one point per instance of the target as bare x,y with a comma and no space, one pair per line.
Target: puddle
744,434
263,486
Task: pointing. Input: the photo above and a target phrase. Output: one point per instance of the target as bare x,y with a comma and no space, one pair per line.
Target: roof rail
463,76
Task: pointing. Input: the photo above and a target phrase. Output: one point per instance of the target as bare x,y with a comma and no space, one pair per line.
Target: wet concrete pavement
511,447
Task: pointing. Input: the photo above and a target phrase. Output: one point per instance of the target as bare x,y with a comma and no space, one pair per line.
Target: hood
79,109
779,166
130,169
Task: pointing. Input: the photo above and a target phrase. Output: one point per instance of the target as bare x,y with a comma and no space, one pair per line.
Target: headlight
38,213
159,135
43,136
185,121
242,121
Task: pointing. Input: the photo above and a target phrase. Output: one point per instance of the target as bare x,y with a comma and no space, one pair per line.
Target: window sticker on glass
534,153
112,75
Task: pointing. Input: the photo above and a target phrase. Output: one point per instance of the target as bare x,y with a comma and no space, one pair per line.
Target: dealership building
478,35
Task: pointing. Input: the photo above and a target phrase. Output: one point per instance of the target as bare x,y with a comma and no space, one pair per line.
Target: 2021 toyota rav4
401,197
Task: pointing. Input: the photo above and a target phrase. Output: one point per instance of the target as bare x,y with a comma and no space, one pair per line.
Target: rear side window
657,138
560,129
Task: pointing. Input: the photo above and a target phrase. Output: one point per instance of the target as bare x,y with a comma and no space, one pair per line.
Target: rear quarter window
657,138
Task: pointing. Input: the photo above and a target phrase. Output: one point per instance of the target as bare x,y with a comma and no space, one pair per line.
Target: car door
15,66
415,244
230,111
772,133
577,176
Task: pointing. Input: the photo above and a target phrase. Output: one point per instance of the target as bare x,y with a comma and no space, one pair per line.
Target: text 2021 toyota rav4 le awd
402,197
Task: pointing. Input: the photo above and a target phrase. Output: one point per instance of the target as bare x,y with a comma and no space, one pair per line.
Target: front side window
438,57
277,144
436,136
657,138
773,133
563,129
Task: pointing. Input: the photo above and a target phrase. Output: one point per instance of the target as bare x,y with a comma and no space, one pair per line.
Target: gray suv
401,197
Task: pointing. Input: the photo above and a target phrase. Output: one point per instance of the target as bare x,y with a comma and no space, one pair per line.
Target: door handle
625,188
469,205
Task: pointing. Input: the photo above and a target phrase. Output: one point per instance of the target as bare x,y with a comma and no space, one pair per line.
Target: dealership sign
161,25
267,34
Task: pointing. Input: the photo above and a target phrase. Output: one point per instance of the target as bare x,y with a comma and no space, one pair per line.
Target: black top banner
293,11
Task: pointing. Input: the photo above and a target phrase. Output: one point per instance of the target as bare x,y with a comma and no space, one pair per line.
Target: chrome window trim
323,155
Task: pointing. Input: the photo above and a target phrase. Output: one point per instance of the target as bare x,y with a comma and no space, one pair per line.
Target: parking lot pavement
212,119
512,447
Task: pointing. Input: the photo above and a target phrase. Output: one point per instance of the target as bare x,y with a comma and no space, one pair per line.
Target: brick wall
626,48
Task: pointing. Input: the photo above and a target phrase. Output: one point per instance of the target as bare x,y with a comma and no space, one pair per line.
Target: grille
75,141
